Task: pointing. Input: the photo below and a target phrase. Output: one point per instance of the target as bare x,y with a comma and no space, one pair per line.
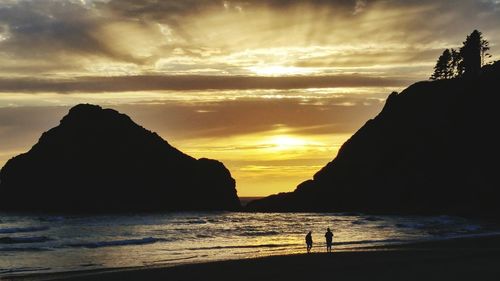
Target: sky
270,88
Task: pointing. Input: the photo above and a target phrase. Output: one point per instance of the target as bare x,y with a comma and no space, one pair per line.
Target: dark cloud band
189,82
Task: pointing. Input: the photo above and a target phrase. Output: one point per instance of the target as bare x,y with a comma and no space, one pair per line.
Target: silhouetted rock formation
434,148
100,160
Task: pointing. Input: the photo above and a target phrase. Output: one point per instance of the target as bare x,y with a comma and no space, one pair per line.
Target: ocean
48,243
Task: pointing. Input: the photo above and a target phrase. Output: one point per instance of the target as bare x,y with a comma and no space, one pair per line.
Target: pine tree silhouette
473,53
467,61
456,63
443,68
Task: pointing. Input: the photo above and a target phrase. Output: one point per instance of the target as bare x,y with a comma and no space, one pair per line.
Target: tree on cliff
443,68
467,61
473,53
456,63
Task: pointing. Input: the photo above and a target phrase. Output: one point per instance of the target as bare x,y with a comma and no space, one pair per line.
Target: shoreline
474,258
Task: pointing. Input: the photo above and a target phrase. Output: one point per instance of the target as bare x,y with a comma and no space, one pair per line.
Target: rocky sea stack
98,160
433,149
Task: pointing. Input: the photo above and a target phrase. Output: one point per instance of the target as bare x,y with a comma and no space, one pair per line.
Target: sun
284,142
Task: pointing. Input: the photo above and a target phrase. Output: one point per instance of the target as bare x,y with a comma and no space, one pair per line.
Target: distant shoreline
454,259
245,199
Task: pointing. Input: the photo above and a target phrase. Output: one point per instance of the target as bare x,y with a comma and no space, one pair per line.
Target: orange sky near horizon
270,88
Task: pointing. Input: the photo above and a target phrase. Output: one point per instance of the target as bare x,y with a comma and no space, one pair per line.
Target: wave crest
142,241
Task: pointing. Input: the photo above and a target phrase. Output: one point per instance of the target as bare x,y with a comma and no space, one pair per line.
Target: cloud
227,37
51,27
165,10
190,82
360,6
20,127
68,36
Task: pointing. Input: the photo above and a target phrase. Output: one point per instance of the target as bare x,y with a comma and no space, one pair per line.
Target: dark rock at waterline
98,160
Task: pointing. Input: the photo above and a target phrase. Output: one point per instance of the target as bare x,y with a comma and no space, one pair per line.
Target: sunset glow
270,88
277,70
287,142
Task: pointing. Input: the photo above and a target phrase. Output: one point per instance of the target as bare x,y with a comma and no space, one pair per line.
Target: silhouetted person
309,241
329,240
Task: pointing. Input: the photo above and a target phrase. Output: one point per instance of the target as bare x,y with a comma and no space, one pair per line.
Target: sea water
48,243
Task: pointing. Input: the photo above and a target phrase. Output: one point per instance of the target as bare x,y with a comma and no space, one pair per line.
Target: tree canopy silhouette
456,63
465,62
473,53
443,68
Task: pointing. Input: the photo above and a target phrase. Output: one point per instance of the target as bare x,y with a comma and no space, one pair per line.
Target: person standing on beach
329,240
309,241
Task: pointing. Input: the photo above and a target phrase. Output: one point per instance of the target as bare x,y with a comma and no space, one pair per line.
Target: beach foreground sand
457,259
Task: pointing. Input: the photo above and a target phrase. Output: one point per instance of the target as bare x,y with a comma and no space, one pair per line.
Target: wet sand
457,259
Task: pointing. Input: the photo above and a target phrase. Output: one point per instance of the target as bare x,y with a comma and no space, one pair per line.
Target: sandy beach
456,259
